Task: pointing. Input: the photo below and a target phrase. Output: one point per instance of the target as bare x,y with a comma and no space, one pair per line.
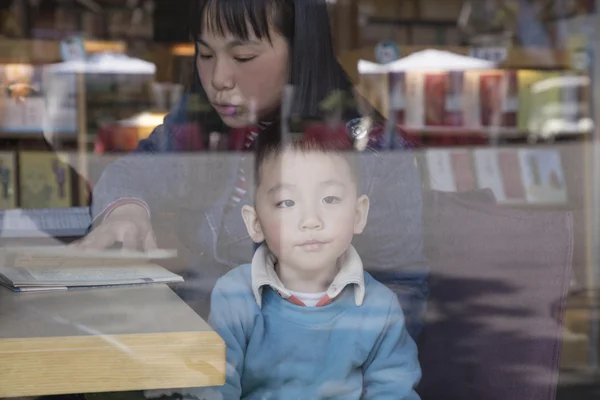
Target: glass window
299,198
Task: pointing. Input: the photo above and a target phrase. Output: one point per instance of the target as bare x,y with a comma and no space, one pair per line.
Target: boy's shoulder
376,291
238,279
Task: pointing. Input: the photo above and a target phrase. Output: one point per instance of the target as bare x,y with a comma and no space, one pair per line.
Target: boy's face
307,209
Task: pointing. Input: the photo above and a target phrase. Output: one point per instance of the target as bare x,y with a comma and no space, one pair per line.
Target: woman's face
244,80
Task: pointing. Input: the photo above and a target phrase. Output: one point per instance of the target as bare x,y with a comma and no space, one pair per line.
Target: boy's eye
244,59
285,204
331,200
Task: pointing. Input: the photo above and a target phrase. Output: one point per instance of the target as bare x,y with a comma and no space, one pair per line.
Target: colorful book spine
435,88
490,98
8,194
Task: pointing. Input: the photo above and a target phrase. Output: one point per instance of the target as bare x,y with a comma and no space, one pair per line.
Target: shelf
410,22
33,134
37,51
486,131
516,58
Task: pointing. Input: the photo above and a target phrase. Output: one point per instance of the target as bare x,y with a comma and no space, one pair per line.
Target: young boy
303,320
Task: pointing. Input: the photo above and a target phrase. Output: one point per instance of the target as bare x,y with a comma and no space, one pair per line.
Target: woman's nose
222,78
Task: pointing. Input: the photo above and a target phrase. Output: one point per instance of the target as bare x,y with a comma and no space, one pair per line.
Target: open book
62,267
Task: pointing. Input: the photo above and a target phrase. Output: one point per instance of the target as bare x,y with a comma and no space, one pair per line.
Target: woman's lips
227,110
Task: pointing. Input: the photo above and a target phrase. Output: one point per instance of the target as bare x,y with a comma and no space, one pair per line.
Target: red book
435,99
490,97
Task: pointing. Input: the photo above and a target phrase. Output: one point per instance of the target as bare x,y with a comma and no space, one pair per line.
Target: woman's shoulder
387,157
180,130
378,135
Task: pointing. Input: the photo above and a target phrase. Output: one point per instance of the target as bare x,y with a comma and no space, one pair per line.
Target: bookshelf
474,153
41,130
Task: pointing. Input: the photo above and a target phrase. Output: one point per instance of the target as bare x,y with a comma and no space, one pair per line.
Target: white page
88,276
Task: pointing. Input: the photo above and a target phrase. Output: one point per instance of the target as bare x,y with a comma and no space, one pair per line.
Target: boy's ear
362,213
252,224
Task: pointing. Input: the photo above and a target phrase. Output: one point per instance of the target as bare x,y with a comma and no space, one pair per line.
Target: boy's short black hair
306,137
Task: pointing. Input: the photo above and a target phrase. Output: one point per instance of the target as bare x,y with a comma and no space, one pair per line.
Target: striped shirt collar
350,274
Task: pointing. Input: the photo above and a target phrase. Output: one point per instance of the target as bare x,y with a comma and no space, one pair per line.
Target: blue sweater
339,351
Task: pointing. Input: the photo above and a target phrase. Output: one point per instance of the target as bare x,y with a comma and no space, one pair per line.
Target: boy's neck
306,282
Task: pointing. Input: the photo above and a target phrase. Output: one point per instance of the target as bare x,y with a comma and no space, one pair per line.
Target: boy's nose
311,222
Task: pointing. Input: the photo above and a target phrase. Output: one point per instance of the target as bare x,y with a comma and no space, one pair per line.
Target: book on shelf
45,180
489,174
439,166
516,176
543,176
435,99
512,179
49,268
8,194
538,98
451,170
494,95
462,167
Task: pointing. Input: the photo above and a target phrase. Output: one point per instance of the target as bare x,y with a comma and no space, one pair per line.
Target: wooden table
104,340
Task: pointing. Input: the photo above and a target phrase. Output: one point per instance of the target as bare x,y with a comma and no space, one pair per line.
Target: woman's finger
131,239
75,243
98,239
150,241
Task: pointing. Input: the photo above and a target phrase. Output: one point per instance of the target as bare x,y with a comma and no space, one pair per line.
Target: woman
249,52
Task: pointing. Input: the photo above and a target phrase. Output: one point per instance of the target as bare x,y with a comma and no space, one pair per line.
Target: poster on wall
44,180
543,176
22,100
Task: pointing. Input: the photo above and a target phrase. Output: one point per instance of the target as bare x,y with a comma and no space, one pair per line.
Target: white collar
351,273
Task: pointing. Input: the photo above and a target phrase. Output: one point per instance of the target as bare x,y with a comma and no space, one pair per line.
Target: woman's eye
285,204
331,200
244,59
205,56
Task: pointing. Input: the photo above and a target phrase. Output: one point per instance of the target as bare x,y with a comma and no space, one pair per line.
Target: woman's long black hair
315,70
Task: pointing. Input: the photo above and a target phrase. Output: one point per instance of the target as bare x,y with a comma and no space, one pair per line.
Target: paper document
65,267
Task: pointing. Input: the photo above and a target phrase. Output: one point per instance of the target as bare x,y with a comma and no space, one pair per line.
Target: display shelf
36,51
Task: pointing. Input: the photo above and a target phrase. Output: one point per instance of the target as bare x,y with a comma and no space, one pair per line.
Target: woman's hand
128,224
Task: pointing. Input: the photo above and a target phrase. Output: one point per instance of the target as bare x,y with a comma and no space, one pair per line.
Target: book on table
45,268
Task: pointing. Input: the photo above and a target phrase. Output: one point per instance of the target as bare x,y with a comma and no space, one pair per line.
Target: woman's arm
391,246
151,173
